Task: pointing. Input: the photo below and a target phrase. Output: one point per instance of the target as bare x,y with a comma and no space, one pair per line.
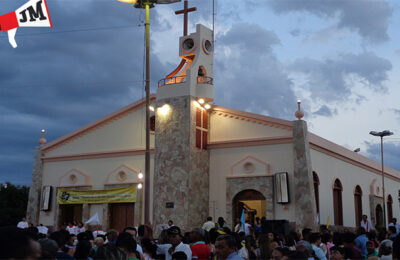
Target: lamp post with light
147,4
381,135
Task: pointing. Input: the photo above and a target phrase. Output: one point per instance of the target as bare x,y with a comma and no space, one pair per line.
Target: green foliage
13,203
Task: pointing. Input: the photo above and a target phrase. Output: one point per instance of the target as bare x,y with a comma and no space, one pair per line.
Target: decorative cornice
250,142
327,147
96,124
251,117
96,155
249,176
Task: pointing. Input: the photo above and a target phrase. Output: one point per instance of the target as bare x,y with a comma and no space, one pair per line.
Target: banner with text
118,195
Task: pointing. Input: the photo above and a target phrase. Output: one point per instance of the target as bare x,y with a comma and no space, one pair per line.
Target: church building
206,160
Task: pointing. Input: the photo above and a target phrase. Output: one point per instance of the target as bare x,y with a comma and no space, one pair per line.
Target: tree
13,203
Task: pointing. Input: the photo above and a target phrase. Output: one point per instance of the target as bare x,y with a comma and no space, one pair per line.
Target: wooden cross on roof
185,12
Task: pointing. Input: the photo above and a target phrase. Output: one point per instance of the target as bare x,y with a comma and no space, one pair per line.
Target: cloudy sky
340,57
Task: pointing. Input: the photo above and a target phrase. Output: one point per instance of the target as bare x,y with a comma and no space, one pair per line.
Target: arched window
316,190
337,202
358,204
389,204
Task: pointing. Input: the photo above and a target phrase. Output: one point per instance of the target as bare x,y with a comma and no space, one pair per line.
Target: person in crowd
257,226
71,228
83,249
213,234
393,222
49,249
170,223
79,228
337,253
221,223
225,247
110,250
371,249
385,250
209,224
366,224
98,231
179,256
392,232
16,244
315,240
127,244
176,245
238,226
23,224
291,239
350,250
62,238
199,248
133,232
278,253
361,241
98,242
271,236
149,249
326,243
305,248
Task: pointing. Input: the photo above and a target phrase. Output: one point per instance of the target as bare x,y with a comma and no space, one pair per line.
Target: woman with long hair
264,246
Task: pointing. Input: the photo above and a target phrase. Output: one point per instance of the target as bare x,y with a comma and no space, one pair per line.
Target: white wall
280,158
329,168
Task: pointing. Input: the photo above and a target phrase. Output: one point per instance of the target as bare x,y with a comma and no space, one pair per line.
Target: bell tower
181,174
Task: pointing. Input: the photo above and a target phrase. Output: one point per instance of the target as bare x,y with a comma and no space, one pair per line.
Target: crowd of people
214,240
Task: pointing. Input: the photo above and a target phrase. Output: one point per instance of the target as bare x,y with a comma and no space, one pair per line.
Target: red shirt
200,250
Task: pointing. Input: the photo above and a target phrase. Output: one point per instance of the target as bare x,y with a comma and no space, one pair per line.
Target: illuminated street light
381,135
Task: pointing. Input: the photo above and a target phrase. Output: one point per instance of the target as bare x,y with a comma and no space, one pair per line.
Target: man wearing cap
176,245
199,248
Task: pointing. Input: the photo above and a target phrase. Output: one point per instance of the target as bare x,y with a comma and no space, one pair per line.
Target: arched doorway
253,203
379,215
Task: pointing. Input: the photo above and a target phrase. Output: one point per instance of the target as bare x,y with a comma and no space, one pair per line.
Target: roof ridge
99,122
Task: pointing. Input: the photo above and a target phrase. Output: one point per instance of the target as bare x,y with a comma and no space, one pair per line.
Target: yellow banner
118,195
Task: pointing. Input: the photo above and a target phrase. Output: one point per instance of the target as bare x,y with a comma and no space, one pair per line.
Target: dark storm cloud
87,66
368,18
391,153
248,74
325,111
328,80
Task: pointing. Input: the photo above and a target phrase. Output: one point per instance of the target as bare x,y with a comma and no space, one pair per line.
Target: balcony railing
181,79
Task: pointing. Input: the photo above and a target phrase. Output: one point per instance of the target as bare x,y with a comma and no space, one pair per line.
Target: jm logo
33,14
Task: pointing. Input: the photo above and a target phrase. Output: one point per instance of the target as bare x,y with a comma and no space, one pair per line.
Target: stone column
181,176
33,208
305,206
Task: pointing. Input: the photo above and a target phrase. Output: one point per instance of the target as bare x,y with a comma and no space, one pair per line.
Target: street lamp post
147,4
381,135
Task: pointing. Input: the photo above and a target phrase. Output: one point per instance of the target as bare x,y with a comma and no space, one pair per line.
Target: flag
242,221
93,220
327,223
33,13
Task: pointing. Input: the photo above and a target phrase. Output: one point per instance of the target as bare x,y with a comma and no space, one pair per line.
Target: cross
185,12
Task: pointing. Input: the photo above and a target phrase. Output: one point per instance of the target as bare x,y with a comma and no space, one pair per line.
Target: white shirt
22,224
43,229
71,230
163,250
208,225
364,225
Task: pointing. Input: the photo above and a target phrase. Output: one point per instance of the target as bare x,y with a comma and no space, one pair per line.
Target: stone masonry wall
181,170
33,208
305,207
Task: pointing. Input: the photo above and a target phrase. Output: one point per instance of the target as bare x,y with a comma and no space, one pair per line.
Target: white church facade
204,162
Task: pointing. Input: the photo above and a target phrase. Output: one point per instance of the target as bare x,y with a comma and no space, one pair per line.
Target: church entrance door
253,203
121,215
70,213
379,215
